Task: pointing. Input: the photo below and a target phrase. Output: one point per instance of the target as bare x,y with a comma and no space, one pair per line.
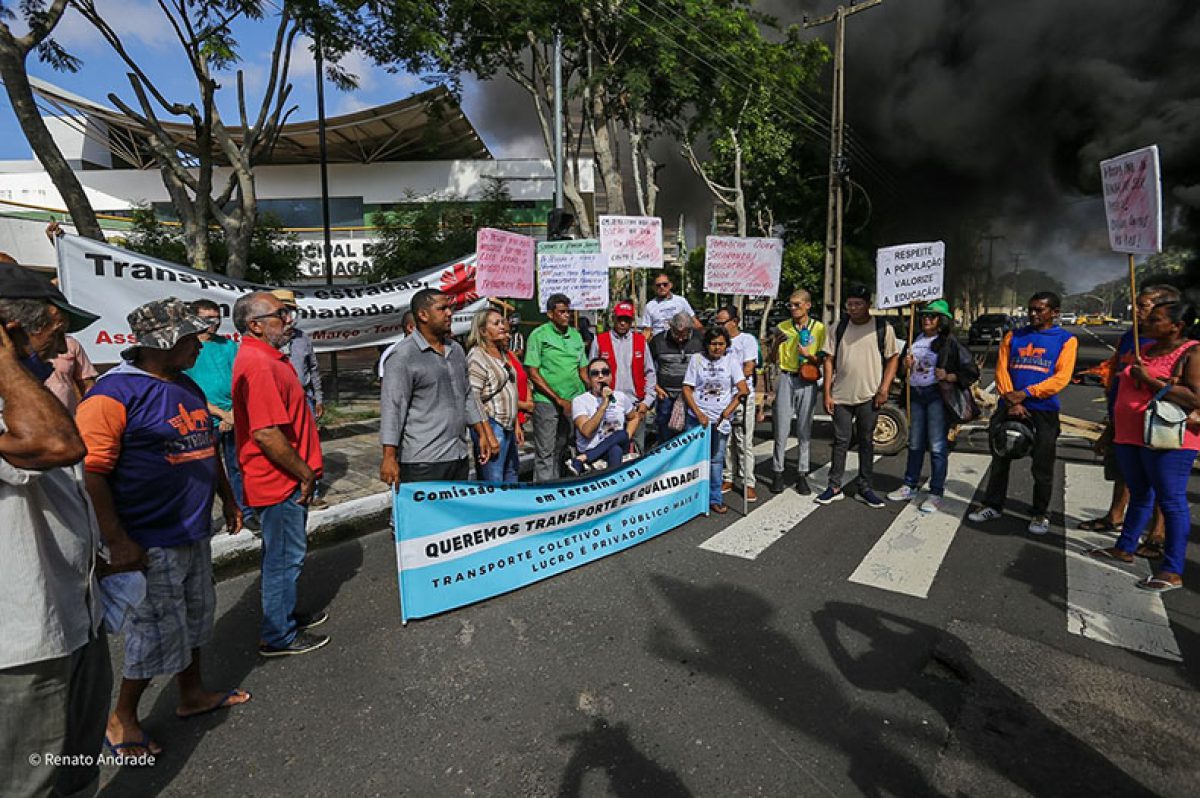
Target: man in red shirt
280,454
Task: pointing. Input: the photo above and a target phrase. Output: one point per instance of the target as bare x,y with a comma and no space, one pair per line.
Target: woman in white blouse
712,388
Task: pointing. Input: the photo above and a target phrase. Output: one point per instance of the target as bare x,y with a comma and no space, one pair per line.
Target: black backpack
880,333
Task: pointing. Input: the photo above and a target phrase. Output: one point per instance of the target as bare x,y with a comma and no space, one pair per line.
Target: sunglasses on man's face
599,373
283,314
661,285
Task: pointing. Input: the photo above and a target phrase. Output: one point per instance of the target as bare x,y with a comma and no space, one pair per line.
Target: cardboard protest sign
746,266
504,263
909,273
1133,201
576,269
632,242
112,281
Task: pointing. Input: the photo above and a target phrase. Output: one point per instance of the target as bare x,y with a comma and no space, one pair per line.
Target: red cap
624,309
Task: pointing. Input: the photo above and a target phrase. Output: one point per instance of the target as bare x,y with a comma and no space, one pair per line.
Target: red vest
604,345
522,383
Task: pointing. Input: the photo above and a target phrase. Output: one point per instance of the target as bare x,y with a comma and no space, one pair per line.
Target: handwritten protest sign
747,266
909,273
632,242
576,269
1133,201
504,263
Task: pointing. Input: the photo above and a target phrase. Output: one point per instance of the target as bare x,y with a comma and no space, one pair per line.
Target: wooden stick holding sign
1133,208
912,326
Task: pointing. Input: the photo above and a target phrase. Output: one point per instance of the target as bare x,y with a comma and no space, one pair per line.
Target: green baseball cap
938,306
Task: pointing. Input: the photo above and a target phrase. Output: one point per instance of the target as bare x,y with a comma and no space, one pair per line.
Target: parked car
1070,317
988,328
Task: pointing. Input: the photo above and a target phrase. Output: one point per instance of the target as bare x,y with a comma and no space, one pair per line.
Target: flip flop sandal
1149,551
1105,554
224,703
1097,525
1155,585
118,749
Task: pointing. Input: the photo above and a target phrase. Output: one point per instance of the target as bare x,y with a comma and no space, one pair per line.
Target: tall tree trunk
20,96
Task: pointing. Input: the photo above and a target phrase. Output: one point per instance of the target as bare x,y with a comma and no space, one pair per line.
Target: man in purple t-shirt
152,471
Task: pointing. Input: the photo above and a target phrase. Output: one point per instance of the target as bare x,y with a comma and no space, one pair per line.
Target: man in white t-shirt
605,420
659,310
739,455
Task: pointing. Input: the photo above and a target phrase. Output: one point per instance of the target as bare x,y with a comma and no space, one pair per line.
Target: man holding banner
427,402
663,306
739,455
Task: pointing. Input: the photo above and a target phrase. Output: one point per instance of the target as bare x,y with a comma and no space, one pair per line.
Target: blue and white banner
462,542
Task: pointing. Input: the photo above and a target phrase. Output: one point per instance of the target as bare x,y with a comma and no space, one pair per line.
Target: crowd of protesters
108,483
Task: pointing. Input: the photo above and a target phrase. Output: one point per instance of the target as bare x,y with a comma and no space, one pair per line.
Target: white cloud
136,22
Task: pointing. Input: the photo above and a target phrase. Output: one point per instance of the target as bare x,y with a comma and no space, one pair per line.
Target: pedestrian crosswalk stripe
751,535
906,558
1102,602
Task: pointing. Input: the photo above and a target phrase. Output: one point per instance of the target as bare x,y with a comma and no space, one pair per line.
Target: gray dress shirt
427,403
304,360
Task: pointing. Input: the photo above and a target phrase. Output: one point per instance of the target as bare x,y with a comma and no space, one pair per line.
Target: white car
1068,318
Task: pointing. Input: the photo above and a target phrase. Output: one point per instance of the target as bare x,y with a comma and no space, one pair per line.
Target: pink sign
632,242
504,264
746,266
1133,201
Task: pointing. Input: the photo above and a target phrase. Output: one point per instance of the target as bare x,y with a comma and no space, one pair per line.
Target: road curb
236,554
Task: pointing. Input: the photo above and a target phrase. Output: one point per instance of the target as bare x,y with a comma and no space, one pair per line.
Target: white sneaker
902,494
984,514
1040,525
931,504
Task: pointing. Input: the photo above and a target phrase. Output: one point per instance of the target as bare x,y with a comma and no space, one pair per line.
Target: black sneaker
310,620
777,482
802,485
302,643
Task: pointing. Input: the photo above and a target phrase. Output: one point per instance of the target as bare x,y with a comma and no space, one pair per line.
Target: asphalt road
675,670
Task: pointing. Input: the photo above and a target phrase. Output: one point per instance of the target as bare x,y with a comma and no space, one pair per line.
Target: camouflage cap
164,322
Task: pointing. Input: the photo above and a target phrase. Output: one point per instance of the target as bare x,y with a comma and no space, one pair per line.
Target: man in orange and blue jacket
1033,365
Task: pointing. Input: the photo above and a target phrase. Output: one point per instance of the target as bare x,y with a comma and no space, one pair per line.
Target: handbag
678,415
1165,422
959,401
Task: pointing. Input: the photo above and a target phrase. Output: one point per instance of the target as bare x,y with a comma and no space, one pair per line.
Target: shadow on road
992,728
630,773
737,643
993,732
227,660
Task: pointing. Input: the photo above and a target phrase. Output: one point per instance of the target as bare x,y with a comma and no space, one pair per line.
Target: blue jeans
612,450
284,544
662,417
927,432
1157,475
716,463
504,466
234,471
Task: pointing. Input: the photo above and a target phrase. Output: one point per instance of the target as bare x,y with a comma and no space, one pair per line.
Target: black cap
17,282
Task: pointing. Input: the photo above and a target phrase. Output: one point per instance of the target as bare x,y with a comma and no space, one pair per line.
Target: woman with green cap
936,357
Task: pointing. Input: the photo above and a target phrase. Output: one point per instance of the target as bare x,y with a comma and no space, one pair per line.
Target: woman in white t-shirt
936,357
712,388
604,419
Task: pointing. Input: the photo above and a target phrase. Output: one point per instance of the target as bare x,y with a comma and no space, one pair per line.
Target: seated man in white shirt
604,419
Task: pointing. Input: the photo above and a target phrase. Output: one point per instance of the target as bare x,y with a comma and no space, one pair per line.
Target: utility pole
328,247
1016,256
839,168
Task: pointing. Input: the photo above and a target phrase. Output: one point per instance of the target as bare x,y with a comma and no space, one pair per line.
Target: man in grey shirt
427,404
55,674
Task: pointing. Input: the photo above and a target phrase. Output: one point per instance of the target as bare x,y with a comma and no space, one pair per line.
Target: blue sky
147,34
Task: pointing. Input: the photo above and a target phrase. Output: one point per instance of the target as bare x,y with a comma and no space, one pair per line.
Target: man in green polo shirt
557,364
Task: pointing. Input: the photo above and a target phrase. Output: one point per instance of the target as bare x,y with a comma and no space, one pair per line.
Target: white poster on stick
909,273
746,266
576,269
1133,201
632,242
504,263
